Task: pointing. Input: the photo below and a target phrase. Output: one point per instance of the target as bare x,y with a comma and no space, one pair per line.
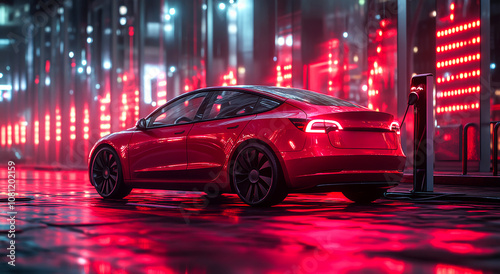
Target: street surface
63,226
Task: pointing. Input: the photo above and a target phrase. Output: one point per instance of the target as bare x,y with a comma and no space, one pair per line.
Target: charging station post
423,140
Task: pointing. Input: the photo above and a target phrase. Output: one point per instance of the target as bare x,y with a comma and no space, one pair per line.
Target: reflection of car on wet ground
259,142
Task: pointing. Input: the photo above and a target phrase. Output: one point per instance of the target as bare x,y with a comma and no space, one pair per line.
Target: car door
158,153
210,140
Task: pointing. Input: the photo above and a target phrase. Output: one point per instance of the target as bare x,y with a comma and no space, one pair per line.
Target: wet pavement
63,226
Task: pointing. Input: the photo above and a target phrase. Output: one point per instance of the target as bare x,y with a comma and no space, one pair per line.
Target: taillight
299,123
322,126
395,127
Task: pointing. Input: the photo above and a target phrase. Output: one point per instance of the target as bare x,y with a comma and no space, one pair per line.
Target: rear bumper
321,164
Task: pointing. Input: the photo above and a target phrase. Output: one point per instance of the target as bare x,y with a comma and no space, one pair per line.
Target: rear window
307,96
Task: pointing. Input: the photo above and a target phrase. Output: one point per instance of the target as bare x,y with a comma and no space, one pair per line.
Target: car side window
179,112
226,104
266,104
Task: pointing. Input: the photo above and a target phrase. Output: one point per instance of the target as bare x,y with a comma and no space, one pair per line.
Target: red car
259,142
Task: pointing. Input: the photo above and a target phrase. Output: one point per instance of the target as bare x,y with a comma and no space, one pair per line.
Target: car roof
262,90
294,94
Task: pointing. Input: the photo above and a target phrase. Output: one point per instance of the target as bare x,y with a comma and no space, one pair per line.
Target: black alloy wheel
256,177
106,174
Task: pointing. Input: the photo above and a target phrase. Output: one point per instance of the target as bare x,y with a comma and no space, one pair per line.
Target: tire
364,196
106,174
257,177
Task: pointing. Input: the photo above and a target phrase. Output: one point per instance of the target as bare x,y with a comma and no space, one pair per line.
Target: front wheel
106,174
257,178
364,196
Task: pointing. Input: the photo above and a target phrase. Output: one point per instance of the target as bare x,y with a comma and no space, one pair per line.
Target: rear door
210,141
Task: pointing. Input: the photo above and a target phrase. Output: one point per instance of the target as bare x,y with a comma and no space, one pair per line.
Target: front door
158,153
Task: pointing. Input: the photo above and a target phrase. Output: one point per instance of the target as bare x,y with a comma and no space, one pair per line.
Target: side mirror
141,124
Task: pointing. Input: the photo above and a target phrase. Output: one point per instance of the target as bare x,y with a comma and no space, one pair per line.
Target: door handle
233,127
180,132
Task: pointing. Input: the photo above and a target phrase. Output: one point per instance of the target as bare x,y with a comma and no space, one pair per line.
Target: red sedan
256,141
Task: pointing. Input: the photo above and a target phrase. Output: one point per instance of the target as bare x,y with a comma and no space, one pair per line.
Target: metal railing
464,145
495,148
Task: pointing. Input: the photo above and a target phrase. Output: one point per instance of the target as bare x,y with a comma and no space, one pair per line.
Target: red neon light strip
86,120
459,76
47,127
458,28
9,135
457,45
457,92
23,133
72,119
4,139
58,126
16,134
454,108
37,133
458,60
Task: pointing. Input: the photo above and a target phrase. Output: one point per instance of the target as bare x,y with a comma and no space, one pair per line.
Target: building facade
74,71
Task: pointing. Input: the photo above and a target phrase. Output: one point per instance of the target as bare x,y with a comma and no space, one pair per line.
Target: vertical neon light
4,137
23,132
72,121
382,66
16,134
136,108
124,107
47,127
37,133
86,121
58,125
162,89
9,135
105,116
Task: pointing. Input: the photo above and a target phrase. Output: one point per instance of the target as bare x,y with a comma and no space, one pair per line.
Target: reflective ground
65,227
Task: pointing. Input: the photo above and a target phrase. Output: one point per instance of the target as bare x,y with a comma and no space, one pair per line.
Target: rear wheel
106,174
257,178
364,196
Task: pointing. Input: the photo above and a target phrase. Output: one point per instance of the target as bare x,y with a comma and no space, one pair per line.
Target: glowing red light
9,135
36,133
4,141
451,18
47,127
452,6
22,132
58,125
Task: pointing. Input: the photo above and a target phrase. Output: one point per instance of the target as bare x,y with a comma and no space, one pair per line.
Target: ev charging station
422,87
421,98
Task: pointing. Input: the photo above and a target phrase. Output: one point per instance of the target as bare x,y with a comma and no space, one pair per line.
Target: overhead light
123,10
